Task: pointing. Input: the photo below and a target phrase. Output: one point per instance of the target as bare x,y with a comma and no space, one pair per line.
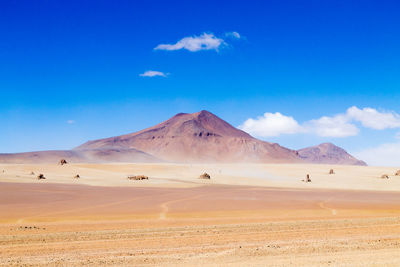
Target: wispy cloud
70,121
336,126
371,118
153,73
235,35
340,125
383,155
206,41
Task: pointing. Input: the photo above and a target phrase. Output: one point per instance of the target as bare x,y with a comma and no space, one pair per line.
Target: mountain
328,153
197,137
89,156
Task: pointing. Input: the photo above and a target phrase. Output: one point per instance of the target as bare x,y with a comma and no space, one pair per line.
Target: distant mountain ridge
199,137
74,156
328,153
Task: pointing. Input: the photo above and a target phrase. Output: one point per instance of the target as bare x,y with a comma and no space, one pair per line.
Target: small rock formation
138,177
63,161
40,177
397,173
385,176
307,180
331,171
32,173
77,176
205,176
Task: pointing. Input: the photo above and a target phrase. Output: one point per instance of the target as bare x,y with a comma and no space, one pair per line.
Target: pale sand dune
246,215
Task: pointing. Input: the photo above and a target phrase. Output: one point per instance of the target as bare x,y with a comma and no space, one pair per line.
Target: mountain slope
198,137
73,156
329,154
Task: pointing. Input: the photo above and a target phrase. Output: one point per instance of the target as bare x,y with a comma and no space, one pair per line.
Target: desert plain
245,215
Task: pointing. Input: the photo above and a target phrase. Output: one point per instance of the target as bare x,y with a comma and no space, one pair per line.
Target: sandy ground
186,175
246,215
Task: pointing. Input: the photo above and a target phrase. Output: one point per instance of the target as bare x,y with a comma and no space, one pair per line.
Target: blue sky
70,71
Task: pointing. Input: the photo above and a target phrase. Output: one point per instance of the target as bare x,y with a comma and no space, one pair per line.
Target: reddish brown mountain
197,137
329,154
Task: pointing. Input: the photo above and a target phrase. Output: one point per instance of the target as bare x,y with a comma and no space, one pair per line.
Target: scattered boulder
308,179
397,173
63,161
32,173
385,176
138,177
331,171
41,176
205,176
77,176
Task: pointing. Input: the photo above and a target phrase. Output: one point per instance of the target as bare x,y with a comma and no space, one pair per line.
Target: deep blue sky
81,60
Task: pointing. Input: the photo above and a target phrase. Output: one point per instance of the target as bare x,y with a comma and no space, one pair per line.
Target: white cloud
371,118
337,126
153,73
206,41
340,125
275,124
233,35
382,155
271,124
70,121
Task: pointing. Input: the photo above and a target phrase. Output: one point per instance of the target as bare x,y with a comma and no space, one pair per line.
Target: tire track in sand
322,206
165,209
